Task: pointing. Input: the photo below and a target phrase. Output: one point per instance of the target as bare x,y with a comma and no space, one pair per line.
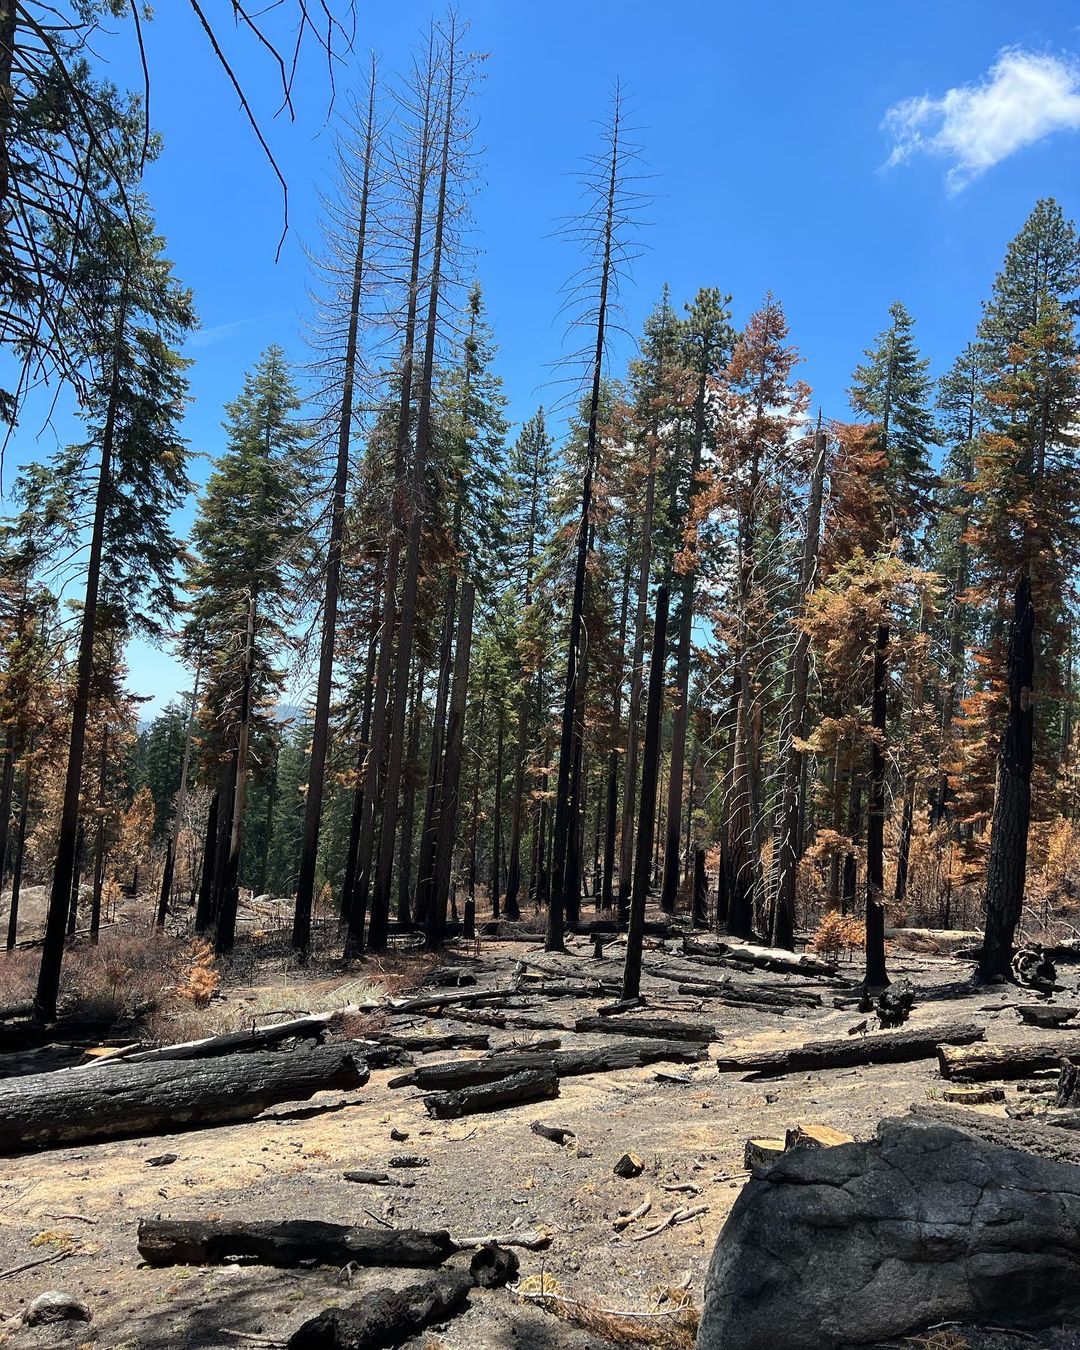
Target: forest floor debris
558,1203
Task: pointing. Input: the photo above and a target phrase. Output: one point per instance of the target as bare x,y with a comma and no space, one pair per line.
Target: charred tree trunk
647,816
799,670
408,815
206,882
225,929
566,823
99,843
451,771
633,716
876,974
65,868
320,733
20,853
1007,865
496,821
352,857
380,905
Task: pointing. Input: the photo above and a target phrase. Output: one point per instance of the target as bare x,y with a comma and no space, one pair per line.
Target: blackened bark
65,868
650,762
20,854
320,735
206,883
1007,865
448,810
876,974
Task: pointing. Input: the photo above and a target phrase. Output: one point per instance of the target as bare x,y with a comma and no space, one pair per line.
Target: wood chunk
1067,1092
215,1242
365,1178
880,1047
973,1096
816,1136
1050,1015
759,1153
386,1317
531,1085
629,1165
656,1028
558,1134
565,1063
425,1045
978,1063
86,1104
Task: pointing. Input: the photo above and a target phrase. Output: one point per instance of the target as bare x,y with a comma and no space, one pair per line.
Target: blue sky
841,156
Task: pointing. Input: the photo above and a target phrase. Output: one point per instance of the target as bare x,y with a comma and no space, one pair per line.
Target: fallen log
531,1085
1046,1015
564,1063
727,990
311,1026
883,1047
366,1178
426,1045
431,1002
764,958
215,1242
79,1106
669,1030
386,1317
979,1063
507,1021
20,1035
871,1242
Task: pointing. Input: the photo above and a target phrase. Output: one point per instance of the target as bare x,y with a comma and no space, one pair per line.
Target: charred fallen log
883,1047
564,1063
82,1105
531,1085
287,1242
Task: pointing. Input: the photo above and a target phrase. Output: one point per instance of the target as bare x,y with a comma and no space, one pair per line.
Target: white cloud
1022,98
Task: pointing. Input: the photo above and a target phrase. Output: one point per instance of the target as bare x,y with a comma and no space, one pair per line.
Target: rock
629,1165
867,1242
56,1306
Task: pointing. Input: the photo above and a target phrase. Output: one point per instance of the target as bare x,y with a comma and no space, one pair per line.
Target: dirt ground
486,1174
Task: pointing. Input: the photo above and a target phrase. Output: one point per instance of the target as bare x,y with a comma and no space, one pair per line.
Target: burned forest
539,777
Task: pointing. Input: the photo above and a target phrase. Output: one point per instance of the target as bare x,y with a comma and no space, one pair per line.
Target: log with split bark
419,1044
83,1105
287,1242
980,1063
764,958
389,1317
518,1089
310,1026
883,1047
656,1029
564,1063
726,990
506,1021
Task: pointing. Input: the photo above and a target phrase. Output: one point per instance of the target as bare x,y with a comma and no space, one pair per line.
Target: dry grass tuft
673,1327
944,1338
